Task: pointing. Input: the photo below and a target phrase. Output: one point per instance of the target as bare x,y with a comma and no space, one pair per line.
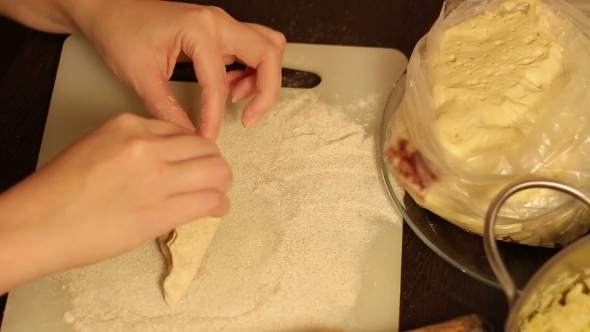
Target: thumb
161,103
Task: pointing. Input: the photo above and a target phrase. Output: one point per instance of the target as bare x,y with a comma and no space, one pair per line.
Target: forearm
55,16
23,258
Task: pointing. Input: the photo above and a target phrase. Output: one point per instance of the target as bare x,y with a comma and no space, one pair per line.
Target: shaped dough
184,249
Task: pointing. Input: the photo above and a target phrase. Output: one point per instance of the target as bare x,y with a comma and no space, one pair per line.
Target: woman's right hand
128,182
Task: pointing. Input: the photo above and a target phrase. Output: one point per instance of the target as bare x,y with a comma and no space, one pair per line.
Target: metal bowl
559,273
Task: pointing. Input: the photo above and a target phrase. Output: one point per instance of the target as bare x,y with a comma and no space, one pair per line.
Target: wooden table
431,289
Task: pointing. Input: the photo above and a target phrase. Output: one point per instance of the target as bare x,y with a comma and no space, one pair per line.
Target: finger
160,101
210,71
215,204
204,173
267,88
211,203
131,123
244,88
185,147
164,128
229,59
267,60
276,37
234,76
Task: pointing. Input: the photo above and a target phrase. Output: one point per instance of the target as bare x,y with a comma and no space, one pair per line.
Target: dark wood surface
431,289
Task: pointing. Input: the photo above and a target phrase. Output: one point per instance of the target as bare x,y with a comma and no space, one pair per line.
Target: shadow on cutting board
184,72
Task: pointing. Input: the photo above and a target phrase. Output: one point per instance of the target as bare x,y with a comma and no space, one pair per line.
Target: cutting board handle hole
299,79
292,78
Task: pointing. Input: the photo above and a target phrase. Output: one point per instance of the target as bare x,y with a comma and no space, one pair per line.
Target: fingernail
247,120
246,123
250,119
236,97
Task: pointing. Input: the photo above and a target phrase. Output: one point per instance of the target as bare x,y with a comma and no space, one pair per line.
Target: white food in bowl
567,312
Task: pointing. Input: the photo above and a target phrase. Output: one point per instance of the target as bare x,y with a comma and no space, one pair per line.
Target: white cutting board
86,94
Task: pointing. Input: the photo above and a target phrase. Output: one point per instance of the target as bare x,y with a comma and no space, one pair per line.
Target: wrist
89,17
27,248
80,15
22,259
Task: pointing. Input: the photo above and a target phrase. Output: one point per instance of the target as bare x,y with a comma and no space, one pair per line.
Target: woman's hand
141,41
126,183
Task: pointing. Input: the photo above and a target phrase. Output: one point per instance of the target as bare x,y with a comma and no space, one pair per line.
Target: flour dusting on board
307,205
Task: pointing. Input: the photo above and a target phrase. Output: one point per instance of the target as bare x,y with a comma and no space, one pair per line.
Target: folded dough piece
184,249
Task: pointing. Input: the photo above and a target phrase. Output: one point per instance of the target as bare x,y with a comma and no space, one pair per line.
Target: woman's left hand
141,41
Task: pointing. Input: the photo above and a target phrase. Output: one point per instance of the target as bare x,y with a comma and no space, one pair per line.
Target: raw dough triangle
184,249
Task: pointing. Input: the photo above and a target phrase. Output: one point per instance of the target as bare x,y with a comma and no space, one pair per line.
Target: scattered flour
307,204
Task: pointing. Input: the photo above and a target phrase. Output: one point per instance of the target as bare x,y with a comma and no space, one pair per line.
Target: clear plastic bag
554,144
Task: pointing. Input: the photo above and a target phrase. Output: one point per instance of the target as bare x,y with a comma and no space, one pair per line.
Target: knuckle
279,39
217,10
136,150
273,54
197,16
215,203
203,145
222,172
128,144
206,16
276,52
123,122
223,86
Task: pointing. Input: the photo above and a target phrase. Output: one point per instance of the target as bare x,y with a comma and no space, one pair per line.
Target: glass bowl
460,248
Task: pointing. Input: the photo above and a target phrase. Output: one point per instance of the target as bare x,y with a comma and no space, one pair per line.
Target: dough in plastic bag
498,91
